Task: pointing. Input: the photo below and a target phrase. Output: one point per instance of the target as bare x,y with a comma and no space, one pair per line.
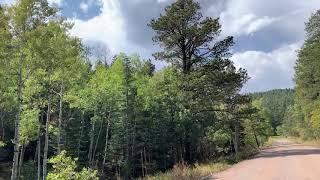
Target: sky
267,33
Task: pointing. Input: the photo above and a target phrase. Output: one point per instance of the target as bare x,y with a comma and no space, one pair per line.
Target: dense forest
64,116
275,106
303,117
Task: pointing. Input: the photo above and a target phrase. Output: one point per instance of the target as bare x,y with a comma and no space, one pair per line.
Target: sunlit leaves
64,168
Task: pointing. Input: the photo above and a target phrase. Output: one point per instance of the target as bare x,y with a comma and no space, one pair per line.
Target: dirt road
284,161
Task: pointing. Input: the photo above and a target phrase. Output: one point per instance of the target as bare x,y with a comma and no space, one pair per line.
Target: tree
187,37
7,101
313,26
307,76
26,16
64,168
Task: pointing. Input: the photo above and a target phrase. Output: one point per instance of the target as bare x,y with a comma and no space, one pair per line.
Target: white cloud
55,2
268,70
107,27
243,24
84,7
122,25
162,1
110,28
7,2
244,17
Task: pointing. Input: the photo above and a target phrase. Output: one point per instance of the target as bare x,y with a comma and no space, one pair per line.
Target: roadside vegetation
302,119
185,172
204,170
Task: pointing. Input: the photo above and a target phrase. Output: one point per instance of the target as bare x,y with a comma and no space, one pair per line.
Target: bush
64,168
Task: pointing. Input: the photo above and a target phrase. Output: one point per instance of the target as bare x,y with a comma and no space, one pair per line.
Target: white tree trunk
60,118
91,144
21,159
46,142
17,126
106,143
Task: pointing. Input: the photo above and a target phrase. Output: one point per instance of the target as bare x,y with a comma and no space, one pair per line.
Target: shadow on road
295,150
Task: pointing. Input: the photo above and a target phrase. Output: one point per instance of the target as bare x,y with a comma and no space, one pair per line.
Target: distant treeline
275,104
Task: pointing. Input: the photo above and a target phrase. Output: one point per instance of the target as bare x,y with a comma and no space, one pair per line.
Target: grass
314,143
297,140
201,171
184,172
272,140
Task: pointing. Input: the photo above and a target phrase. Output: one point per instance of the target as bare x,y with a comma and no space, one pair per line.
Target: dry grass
272,140
184,172
201,171
314,143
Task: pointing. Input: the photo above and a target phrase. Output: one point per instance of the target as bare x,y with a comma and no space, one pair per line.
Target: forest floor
284,160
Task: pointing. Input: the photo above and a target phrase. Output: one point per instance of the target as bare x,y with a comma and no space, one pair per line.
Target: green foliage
64,168
2,144
29,125
274,105
303,117
218,137
312,26
187,37
315,117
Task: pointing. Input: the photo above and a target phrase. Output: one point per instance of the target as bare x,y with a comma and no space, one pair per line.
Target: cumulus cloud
248,17
244,24
107,27
266,32
122,25
269,70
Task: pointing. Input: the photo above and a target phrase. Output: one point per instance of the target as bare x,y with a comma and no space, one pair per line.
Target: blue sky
267,33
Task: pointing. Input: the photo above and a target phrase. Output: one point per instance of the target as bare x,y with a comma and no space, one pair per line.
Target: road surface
284,161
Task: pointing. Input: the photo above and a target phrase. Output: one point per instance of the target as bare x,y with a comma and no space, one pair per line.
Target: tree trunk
46,142
107,135
21,159
17,126
142,165
39,158
236,138
91,144
60,117
80,136
97,141
2,125
145,161
256,138
187,154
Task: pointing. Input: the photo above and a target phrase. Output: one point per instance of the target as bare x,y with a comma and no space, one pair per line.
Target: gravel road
283,161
